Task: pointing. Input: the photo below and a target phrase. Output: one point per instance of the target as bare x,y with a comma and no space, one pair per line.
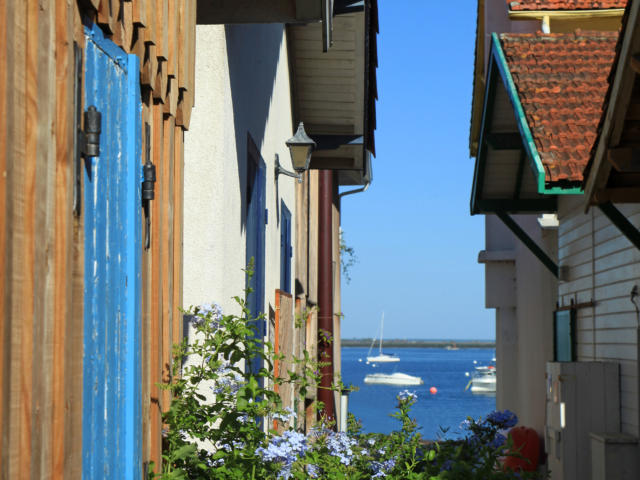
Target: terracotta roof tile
520,5
561,81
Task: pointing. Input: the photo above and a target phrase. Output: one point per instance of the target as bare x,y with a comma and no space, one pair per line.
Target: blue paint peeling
112,422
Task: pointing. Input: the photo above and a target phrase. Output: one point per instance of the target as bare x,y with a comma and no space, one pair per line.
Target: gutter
565,14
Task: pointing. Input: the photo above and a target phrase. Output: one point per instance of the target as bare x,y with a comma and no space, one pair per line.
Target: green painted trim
523,125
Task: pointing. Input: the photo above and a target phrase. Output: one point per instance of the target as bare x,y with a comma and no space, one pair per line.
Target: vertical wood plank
127,23
150,30
63,232
172,34
178,216
105,15
155,354
4,321
25,312
44,243
74,335
183,42
166,254
139,12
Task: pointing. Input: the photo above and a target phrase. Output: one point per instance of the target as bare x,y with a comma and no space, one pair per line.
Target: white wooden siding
603,267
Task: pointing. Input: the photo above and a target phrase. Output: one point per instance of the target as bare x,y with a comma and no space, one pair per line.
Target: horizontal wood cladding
41,240
328,89
603,267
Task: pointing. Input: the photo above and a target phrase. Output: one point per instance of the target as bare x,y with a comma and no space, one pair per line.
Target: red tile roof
520,5
561,81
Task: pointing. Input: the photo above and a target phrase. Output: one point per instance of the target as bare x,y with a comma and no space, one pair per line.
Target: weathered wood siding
603,267
41,240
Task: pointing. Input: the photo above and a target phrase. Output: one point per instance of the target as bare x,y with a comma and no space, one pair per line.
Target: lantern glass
300,146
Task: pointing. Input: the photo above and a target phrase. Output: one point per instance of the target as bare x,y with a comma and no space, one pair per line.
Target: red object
433,390
527,445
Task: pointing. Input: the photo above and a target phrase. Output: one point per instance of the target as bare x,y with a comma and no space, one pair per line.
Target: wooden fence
41,239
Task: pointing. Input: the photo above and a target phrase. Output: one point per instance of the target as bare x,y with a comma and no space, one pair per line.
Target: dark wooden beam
529,242
624,159
505,141
510,205
624,225
520,174
616,195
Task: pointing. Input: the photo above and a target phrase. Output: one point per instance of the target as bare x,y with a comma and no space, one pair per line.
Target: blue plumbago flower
228,382
285,449
313,471
371,441
498,441
446,466
364,452
380,469
340,445
406,395
285,417
208,311
505,419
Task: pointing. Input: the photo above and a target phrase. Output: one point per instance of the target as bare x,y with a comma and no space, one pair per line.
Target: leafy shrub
216,422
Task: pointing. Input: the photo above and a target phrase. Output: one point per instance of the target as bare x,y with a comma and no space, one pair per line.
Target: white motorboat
483,380
396,378
381,357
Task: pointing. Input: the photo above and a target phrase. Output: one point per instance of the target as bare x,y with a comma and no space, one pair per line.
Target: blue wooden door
111,423
286,252
256,220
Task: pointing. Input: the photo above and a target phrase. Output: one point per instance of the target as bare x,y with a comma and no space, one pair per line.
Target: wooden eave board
329,87
621,122
501,167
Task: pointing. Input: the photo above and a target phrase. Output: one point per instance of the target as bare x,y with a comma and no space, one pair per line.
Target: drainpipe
325,292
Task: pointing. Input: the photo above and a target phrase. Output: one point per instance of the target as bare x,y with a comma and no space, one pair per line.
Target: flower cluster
228,381
286,416
407,396
380,469
285,450
504,419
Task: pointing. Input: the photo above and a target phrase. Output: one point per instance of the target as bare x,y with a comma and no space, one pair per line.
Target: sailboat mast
381,328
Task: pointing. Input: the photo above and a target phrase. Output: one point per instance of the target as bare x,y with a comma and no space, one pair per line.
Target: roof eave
565,14
598,169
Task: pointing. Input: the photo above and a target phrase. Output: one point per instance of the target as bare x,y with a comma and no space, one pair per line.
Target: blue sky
417,245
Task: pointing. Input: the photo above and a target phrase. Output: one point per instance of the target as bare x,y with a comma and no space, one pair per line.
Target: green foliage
348,258
217,422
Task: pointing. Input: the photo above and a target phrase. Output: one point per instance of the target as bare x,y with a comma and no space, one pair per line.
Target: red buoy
433,390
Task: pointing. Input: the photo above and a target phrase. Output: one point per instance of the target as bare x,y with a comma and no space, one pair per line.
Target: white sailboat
381,357
395,378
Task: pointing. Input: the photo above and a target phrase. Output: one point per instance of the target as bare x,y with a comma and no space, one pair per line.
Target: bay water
439,368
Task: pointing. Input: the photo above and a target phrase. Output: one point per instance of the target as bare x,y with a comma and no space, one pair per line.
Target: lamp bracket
280,170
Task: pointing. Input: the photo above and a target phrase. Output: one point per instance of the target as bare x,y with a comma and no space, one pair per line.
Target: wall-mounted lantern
300,146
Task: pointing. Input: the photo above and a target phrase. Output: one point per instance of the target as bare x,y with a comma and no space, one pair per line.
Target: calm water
443,369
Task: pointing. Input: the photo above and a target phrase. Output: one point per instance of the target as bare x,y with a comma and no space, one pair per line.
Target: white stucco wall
523,292
242,87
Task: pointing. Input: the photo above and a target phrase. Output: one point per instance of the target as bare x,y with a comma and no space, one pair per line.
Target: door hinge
148,186
90,137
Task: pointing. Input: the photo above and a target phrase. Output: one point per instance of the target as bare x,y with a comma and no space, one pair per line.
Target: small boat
483,380
453,346
392,379
381,357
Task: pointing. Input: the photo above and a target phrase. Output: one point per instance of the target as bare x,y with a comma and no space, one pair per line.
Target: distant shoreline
397,343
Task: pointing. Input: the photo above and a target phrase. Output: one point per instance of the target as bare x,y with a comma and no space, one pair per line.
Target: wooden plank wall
603,267
41,240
